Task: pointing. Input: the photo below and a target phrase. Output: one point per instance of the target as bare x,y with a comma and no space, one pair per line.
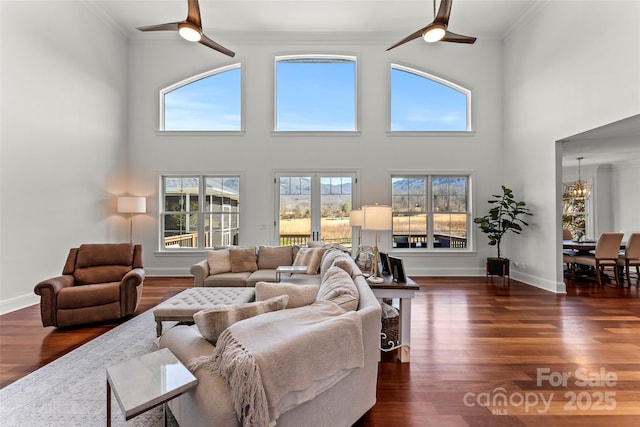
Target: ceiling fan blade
213,45
408,38
193,13
171,26
457,38
443,12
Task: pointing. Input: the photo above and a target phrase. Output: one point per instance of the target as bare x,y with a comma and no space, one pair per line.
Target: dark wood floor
472,343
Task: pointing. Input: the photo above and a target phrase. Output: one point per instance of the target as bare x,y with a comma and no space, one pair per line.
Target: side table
290,269
405,292
144,382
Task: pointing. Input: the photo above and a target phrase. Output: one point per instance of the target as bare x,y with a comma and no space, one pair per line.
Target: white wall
257,154
626,195
63,139
561,79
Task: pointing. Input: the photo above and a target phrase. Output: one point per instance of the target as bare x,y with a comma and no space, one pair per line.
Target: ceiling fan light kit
434,33
189,32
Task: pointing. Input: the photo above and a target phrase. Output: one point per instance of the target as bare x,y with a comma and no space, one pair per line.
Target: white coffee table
144,382
291,269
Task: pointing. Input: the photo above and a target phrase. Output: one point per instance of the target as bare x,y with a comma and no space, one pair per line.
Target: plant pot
498,266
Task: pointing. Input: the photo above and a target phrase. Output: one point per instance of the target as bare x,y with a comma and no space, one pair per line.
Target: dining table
583,247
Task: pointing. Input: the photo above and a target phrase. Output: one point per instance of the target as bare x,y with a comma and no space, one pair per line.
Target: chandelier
579,189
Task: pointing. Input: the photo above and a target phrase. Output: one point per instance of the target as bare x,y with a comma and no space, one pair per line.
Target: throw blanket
276,361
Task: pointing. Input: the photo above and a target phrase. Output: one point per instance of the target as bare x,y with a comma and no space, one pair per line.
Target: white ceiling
392,19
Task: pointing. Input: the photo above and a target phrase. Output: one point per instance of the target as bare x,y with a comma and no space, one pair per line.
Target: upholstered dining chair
631,257
566,234
606,255
99,282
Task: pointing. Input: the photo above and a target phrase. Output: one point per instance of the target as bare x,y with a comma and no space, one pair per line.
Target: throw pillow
347,264
212,321
327,260
243,259
310,257
270,257
299,295
219,261
338,287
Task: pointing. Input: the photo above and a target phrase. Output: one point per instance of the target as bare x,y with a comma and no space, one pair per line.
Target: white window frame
430,249
437,79
195,78
278,58
201,213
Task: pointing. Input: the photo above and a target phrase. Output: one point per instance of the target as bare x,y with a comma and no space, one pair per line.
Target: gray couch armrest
200,272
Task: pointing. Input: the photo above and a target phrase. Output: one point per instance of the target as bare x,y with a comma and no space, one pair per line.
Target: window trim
354,132
430,250
192,79
161,249
441,80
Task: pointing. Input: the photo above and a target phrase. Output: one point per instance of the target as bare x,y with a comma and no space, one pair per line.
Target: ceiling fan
190,29
437,30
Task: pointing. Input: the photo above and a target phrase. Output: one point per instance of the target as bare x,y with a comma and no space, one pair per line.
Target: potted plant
506,215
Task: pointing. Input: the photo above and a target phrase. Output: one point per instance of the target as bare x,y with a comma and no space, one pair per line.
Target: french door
314,207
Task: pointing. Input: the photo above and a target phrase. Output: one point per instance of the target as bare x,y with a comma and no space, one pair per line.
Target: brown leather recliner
99,282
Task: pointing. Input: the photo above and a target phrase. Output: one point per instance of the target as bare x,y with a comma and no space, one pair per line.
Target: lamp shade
376,217
355,218
129,204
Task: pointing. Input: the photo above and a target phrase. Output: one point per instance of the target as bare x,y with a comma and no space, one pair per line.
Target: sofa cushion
212,321
311,257
327,260
104,254
219,261
338,287
227,279
299,295
243,259
263,275
95,296
274,256
347,264
100,274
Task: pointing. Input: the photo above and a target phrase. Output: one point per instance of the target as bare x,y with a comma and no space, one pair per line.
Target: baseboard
449,271
539,282
17,303
167,272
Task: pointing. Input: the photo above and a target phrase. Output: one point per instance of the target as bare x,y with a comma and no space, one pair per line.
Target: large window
315,93
315,207
430,211
421,102
200,211
207,102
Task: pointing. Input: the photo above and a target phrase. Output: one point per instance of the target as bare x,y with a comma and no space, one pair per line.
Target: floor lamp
376,218
131,205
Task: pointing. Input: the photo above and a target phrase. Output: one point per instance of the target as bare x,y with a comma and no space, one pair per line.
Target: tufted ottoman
183,306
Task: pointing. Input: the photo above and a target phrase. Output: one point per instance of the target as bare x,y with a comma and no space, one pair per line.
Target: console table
405,292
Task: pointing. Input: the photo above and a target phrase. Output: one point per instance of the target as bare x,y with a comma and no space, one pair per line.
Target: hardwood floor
472,343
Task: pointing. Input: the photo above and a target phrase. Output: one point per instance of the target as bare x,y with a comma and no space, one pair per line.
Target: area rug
71,391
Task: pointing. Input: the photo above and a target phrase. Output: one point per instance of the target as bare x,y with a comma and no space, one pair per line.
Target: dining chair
606,255
631,257
566,234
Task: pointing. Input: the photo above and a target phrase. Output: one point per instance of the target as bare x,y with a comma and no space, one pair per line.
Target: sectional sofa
339,283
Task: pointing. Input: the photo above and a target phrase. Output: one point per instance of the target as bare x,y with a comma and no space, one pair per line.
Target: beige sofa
343,404
245,266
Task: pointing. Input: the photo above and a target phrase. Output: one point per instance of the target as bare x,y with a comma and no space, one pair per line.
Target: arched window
315,93
421,102
210,101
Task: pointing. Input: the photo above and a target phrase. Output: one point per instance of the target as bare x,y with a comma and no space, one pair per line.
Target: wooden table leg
405,329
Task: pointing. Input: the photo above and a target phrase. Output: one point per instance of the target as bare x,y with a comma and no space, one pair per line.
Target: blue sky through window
212,103
316,94
421,104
